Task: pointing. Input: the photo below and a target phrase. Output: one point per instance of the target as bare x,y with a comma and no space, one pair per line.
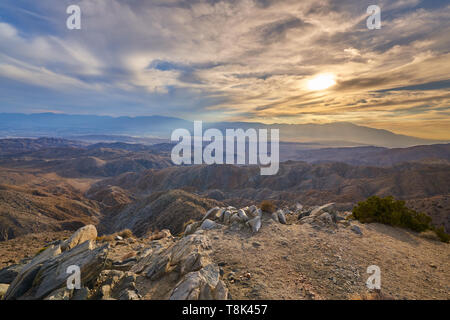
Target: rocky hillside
297,252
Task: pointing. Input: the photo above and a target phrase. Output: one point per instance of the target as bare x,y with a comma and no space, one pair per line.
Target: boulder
235,218
209,225
41,277
274,217
86,233
281,217
211,213
255,224
191,228
226,217
317,211
242,215
219,214
204,284
356,230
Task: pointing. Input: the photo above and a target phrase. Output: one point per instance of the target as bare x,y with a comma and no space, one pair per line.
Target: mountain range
64,125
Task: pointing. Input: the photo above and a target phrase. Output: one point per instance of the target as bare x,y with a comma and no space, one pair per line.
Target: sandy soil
299,262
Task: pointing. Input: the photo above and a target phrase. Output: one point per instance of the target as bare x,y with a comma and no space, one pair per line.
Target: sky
309,61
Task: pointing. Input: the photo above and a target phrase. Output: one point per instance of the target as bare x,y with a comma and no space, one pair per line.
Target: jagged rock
116,285
356,230
274,217
124,265
200,285
258,212
252,209
3,288
210,214
235,218
209,225
60,294
158,267
118,238
47,273
242,215
306,219
219,214
24,280
281,217
8,274
255,224
298,206
226,217
325,218
191,228
317,211
83,234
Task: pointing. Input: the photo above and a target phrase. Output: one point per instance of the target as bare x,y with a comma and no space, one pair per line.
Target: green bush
444,237
392,212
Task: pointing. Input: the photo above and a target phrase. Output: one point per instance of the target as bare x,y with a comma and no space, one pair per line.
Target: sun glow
321,82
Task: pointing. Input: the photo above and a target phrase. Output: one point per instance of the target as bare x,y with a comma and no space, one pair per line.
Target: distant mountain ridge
64,125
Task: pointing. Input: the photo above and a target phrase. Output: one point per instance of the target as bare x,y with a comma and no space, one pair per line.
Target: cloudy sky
308,61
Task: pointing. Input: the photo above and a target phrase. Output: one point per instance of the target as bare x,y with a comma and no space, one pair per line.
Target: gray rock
191,228
219,214
317,211
235,218
209,225
42,277
211,213
356,230
255,224
274,217
204,284
325,218
226,217
281,217
86,233
8,274
242,215
118,238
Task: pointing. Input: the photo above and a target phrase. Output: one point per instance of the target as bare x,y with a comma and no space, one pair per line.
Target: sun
321,82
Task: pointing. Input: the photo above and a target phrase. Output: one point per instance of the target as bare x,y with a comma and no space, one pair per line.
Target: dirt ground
299,262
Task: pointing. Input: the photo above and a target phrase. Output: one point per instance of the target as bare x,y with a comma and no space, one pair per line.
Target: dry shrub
127,233
430,235
267,206
106,238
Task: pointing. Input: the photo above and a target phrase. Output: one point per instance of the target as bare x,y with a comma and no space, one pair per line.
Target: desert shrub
429,234
127,233
444,237
392,212
106,238
267,206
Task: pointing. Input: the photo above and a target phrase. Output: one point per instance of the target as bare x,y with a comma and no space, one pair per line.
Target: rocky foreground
293,253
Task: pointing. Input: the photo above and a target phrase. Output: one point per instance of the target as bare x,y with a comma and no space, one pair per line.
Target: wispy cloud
234,60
